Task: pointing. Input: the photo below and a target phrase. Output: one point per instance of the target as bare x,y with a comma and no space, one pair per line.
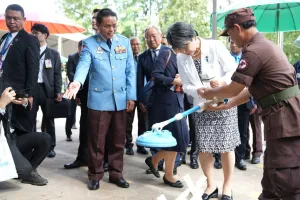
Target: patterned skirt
217,131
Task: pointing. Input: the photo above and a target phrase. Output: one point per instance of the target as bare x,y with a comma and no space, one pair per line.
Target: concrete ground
71,184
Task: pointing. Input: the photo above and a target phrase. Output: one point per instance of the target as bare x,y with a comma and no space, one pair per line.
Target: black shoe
218,164
129,151
154,171
93,185
194,163
75,164
214,194
255,160
51,154
142,150
148,171
240,164
177,184
226,197
69,139
120,182
35,179
105,167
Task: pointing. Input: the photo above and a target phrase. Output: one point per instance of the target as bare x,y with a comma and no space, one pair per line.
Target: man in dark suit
49,81
19,52
142,116
81,98
145,66
71,68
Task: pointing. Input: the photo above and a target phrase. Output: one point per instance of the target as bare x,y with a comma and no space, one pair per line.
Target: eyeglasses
9,18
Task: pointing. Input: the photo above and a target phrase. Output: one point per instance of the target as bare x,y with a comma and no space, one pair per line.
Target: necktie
108,42
135,58
154,57
7,42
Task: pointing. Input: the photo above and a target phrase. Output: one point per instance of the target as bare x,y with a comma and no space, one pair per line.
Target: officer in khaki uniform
269,77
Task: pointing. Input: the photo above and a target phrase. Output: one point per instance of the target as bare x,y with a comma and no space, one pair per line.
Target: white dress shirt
216,64
42,61
13,35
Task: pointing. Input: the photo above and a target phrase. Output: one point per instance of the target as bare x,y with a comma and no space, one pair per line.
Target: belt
279,96
41,84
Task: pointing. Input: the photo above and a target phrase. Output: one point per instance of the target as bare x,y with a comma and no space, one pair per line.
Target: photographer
28,148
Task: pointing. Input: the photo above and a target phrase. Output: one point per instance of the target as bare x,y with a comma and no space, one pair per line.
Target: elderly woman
208,63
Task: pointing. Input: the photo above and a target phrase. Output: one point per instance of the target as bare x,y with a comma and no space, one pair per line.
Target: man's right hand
142,107
8,95
72,90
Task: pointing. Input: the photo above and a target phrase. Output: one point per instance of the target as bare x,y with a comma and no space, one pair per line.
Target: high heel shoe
214,194
226,197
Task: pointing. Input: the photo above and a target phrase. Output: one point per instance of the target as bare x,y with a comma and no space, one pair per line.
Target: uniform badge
117,49
243,64
99,50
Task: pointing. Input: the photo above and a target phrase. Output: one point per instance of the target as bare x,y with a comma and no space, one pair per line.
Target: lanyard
4,50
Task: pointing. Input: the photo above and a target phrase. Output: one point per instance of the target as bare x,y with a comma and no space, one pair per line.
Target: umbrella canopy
271,15
56,24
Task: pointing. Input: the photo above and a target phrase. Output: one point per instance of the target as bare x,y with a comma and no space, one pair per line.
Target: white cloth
13,35
216,64
42,61
7,165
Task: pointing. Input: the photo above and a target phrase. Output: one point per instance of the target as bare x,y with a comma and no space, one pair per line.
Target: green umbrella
271,15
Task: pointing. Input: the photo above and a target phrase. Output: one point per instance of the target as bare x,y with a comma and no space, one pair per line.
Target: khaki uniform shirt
265,69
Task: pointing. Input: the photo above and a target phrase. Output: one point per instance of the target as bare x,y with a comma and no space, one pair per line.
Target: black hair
80,43
248,24
179,33
40,28
15,7
105,12
96,10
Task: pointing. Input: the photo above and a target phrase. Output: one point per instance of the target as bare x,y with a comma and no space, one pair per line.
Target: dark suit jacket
52,76
21,65
144,68
71,65
164,76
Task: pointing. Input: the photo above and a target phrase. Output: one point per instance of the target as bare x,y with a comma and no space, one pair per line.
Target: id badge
48,63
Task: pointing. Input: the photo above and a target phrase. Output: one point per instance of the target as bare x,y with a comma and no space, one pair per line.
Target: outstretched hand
72,90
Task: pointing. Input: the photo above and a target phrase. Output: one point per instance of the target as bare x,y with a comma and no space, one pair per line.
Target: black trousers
39,99
71,119
243,123
34,145
192,129
82,154
142,117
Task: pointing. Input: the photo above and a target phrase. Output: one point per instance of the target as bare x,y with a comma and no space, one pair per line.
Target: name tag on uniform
48,63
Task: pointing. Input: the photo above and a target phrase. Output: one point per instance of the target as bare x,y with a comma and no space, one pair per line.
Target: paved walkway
71,184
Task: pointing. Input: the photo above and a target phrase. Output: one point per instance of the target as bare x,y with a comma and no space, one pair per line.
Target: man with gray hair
145,64
136,49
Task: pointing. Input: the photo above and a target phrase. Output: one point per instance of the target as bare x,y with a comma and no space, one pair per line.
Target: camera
20,94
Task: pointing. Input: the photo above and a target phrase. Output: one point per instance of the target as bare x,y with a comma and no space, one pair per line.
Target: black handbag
56,109
147,97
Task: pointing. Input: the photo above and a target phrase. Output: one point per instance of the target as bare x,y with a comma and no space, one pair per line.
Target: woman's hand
220,106
8,95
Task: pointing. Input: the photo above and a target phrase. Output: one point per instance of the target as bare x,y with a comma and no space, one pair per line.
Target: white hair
152,26
134,38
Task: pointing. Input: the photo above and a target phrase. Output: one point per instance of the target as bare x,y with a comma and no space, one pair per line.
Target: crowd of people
107,77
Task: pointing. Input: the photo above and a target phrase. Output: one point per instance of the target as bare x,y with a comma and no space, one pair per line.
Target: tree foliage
135,15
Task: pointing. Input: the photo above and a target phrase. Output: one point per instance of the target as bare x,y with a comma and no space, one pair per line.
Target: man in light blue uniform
112,91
